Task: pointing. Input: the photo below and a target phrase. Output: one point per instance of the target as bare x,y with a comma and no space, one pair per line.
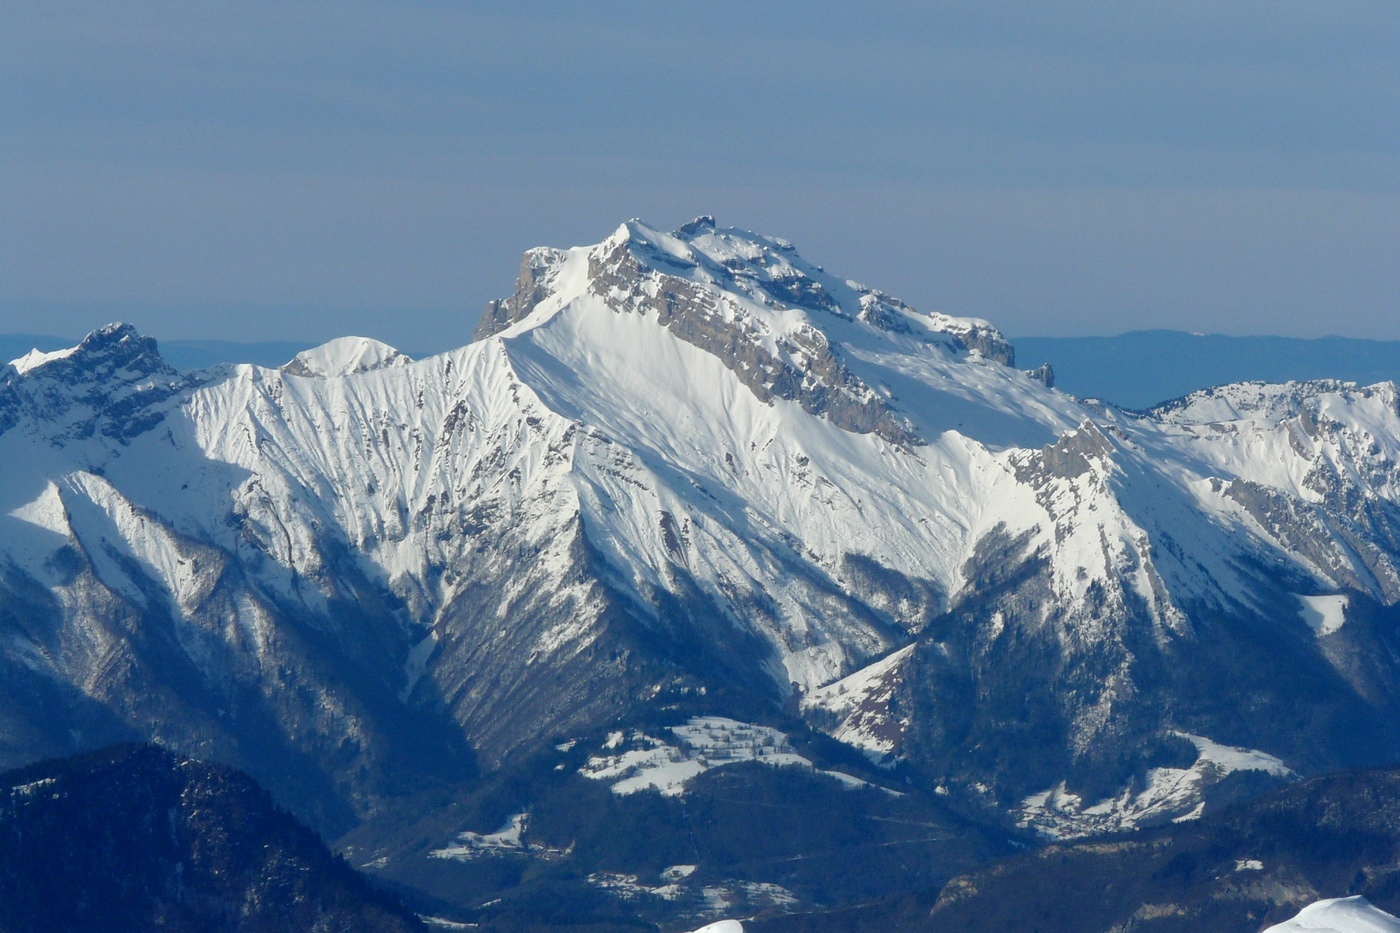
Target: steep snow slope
686,461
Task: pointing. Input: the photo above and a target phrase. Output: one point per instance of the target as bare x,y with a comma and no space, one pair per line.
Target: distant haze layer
295,170
1141,368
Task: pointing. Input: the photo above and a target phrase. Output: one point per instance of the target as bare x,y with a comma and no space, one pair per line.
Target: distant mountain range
589,619
1141,368
182,354
1137,369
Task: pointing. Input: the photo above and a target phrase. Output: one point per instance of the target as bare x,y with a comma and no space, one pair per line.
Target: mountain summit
777,322
693,472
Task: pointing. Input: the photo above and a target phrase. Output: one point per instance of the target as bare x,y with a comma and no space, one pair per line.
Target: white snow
470,845
590,415
28,790
1173,794
346,356
1339,915
1324,614
629,888
713,899
417,663
721,926
862,701
703,743
36,358
509,839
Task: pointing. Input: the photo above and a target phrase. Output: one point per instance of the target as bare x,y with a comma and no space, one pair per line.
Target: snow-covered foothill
703,743
470,845
508,840
1339,915
1174,794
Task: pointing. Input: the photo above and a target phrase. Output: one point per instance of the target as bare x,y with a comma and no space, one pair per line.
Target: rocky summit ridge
693,464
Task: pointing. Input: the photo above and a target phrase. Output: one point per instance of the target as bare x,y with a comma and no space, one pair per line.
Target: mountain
1143,368
1316,855
135,838
690,499
670,827
1137,369
182,354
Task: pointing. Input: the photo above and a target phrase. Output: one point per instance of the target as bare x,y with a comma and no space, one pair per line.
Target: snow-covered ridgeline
699,415
551,406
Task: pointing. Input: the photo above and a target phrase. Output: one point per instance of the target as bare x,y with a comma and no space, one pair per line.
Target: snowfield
1339,915
1171,794
704,743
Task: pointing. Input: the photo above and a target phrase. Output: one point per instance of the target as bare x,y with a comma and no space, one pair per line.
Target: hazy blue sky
300,170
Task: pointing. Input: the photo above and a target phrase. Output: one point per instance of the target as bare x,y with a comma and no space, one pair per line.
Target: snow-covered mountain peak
345,356
105,385
692,459
784,326
116,346
772,274
36,358
1270,403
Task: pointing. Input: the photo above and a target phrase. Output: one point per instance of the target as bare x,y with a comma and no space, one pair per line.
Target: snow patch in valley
1173,794
508,840
703,901
417,663
1340,915
703,743
629,888
1324,614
